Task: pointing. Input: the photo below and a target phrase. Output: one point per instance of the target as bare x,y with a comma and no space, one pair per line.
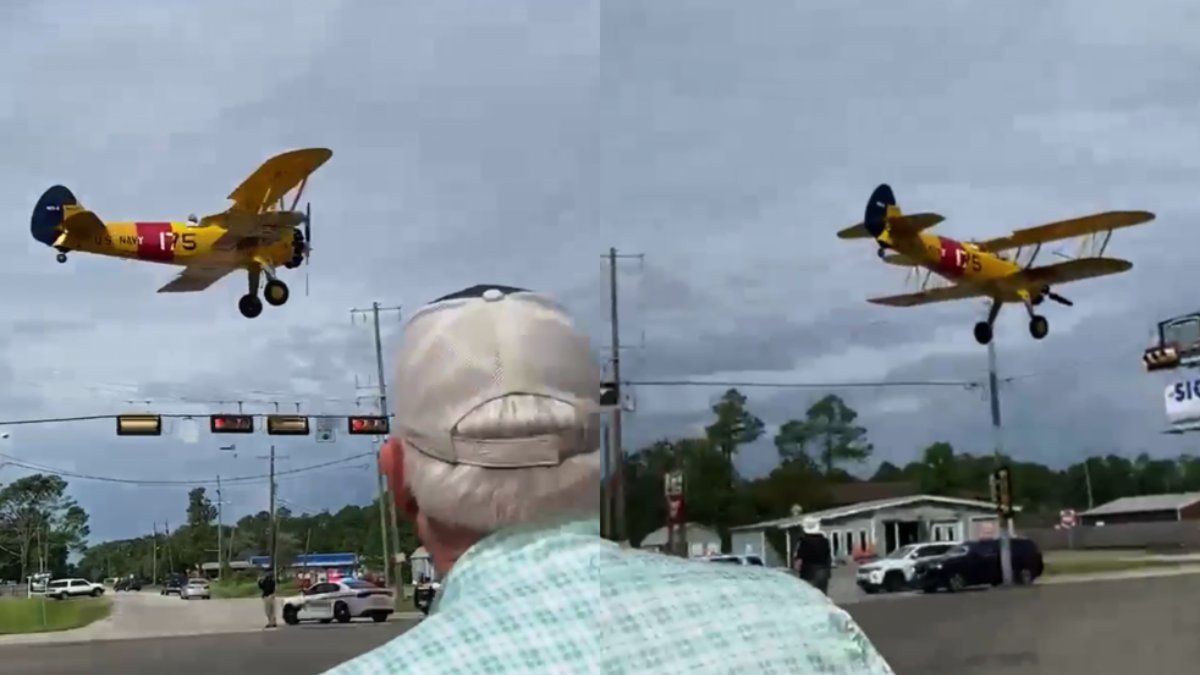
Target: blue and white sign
1183,401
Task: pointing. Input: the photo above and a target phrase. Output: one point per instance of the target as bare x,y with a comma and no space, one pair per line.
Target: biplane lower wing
276,177
1067,229
1064,272
944,294
195,278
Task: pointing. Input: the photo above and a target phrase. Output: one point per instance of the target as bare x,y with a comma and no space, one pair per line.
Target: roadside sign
1066,518
325,433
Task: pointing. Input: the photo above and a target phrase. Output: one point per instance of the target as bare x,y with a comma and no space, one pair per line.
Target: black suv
174,584
977,563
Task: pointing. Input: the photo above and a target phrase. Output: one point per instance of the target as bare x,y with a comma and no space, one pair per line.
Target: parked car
735,559
195,588
424,593
128,584
173,584
977,563
339,600
895,571
60,589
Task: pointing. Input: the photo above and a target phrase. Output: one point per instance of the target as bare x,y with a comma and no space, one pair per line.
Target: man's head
497,415
811,525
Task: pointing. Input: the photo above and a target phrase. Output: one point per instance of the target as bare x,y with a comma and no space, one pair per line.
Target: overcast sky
516,142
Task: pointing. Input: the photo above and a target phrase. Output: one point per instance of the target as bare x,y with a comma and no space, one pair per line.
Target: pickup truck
60,589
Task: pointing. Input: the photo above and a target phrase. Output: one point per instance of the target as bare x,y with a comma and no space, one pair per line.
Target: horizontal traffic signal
287,425
231,424
371,424
139,425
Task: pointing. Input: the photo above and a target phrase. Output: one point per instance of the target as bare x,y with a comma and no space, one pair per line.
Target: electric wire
234,480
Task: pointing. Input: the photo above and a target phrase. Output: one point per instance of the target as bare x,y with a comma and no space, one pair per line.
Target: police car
897,570
339,600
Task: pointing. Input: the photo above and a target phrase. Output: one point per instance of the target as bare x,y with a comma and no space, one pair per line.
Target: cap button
492,294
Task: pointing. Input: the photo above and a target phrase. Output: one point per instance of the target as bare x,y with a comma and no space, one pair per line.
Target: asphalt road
294,650
1128,626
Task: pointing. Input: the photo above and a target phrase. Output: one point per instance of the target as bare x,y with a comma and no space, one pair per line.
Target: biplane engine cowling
299,245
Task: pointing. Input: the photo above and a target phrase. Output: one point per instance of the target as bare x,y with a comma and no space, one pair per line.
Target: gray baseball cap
487,343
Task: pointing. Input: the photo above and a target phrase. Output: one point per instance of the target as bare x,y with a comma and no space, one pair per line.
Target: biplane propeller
257,233
977,269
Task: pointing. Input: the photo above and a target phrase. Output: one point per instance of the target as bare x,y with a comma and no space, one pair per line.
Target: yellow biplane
257,233
978,269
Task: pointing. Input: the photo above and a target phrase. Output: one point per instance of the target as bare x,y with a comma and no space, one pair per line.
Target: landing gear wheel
276,292
61,257
983,332
1039,327
250,306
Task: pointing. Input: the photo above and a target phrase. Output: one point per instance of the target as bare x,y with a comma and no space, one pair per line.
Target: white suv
67,588
894,572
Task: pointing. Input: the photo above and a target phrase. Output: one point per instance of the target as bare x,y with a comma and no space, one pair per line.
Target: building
881,526
701,541
1145,509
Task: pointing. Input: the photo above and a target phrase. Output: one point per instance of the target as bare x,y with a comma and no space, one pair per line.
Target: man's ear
391,465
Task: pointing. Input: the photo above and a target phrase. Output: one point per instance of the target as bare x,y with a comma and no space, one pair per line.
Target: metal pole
220,533
993,389
274,570
617,465
383,525
154,554
1087,477
393,559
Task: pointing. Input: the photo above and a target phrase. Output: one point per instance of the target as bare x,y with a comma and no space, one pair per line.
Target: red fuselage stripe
155,242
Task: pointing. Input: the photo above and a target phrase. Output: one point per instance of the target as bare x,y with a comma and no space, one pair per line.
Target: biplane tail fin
52,208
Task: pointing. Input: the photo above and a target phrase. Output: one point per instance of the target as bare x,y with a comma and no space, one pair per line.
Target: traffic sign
287,425
139,425
325,433
231,424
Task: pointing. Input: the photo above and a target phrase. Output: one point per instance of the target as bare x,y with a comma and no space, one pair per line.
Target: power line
89,418
969,384
164,482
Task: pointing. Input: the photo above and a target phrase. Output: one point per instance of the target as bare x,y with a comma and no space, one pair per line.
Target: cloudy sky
516,142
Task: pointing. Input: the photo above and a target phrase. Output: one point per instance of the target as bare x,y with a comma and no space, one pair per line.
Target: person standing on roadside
814,560
266,584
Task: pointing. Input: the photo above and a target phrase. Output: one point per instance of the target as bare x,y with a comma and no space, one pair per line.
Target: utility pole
612,525
993,389
154,554
1087,478
220,533
274,529
387,513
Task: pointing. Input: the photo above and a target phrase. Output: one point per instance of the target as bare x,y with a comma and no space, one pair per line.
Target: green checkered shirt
558,598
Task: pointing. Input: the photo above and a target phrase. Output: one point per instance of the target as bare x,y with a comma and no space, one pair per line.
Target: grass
247,588
24,615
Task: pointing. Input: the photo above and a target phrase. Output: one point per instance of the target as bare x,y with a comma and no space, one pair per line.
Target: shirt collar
504,543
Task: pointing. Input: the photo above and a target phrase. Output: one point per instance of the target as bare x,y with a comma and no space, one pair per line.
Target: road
148,614
1118,626
1121,626
295,650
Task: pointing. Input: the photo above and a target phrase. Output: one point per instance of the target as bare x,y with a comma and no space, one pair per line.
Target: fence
1165,536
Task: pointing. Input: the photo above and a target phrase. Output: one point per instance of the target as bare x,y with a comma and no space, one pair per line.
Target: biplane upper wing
1066,229
1063,272
943,294
275,178
195,278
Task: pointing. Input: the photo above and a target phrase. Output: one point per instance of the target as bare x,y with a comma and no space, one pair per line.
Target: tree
201,511
939,475
792,442
39,522
830,424
734,426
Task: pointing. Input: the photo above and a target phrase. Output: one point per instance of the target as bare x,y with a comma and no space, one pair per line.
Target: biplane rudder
46,222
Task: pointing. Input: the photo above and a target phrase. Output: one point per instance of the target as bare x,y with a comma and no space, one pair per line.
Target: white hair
485,499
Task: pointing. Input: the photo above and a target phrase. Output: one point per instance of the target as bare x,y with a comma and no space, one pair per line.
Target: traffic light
287,425
139,425
231,424
370,424
1001,484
